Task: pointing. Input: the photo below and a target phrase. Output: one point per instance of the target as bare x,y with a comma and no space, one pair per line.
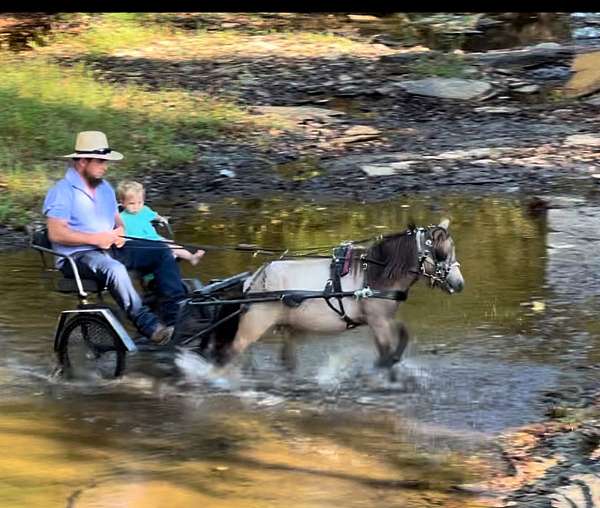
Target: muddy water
324,429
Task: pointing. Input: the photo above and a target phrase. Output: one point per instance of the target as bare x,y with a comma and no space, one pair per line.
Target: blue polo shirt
69,200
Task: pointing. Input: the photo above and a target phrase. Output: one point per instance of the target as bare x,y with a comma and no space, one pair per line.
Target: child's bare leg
188,256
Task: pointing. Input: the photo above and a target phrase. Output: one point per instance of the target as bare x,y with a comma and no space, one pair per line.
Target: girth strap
334,284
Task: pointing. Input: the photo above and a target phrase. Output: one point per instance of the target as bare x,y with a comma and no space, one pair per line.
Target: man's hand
120,240
107,239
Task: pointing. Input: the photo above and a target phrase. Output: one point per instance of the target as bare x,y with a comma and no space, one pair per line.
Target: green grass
45,105
106,33
445,66
156,36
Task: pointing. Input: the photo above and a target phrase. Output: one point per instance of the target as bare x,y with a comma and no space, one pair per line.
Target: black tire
89,347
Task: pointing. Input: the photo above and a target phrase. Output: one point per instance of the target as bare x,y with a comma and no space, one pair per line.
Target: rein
305,252
173,244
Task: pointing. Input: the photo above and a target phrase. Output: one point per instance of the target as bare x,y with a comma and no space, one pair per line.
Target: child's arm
155,216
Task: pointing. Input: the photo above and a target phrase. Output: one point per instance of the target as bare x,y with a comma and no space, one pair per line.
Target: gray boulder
447,88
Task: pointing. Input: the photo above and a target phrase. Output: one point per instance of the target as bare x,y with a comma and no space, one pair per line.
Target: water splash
198,370
339,368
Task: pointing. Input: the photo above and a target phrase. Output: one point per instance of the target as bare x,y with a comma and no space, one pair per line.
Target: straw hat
93,145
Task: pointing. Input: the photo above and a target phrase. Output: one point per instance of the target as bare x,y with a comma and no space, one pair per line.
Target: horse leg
253,324
288,352
391,339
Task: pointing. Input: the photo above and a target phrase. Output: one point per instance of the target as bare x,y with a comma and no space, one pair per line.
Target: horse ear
444,224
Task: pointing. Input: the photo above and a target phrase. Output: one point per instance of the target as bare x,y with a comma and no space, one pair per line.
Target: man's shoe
162,335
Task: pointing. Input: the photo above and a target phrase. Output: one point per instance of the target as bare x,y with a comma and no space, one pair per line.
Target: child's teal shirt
139,224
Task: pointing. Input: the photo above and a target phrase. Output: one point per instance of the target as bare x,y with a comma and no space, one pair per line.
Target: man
83,221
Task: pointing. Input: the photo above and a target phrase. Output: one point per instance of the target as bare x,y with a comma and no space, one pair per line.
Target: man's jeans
110,268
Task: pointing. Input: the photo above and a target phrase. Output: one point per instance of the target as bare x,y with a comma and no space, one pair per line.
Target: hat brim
112,156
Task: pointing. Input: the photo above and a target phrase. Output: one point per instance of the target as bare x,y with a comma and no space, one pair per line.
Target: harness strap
330,287
334,285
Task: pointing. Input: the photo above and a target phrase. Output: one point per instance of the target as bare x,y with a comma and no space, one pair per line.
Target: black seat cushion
40,238
64,285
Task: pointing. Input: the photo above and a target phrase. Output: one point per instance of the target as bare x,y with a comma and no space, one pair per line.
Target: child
137,219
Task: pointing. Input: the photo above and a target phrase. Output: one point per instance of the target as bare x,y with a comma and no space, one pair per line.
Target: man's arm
60,232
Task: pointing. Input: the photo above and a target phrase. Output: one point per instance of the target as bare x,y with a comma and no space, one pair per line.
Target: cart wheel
89,347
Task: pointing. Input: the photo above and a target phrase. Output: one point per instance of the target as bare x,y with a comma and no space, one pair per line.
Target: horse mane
392,258
395,256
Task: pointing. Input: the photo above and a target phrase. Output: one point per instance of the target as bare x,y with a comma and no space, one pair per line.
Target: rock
527,89
378,170
583,491
386,40
470,71
467,154
586,32
447,88
563,112
586,77
301,114
347,91
498,110
583,139
504,72
407,57
403,165
359,133
553,72
548,45
344,78
362,17
227,172
594,101
358,130
525,57
387,90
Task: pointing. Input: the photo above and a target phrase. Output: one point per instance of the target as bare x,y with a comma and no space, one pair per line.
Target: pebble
499,110
527,89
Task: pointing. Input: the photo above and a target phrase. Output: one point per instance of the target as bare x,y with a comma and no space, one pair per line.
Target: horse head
437,258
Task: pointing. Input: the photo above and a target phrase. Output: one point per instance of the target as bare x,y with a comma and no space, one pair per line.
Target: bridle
425,255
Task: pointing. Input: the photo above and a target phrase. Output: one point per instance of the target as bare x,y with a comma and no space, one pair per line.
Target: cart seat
65,285
41,242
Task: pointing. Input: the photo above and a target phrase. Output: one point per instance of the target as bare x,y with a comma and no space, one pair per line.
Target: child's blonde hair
128,188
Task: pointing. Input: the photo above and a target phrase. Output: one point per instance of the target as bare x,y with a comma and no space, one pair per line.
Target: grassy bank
45,102
44,105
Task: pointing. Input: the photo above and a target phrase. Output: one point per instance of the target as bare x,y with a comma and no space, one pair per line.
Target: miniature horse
395,262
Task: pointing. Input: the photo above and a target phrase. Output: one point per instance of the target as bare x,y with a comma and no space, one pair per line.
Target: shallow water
325,428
